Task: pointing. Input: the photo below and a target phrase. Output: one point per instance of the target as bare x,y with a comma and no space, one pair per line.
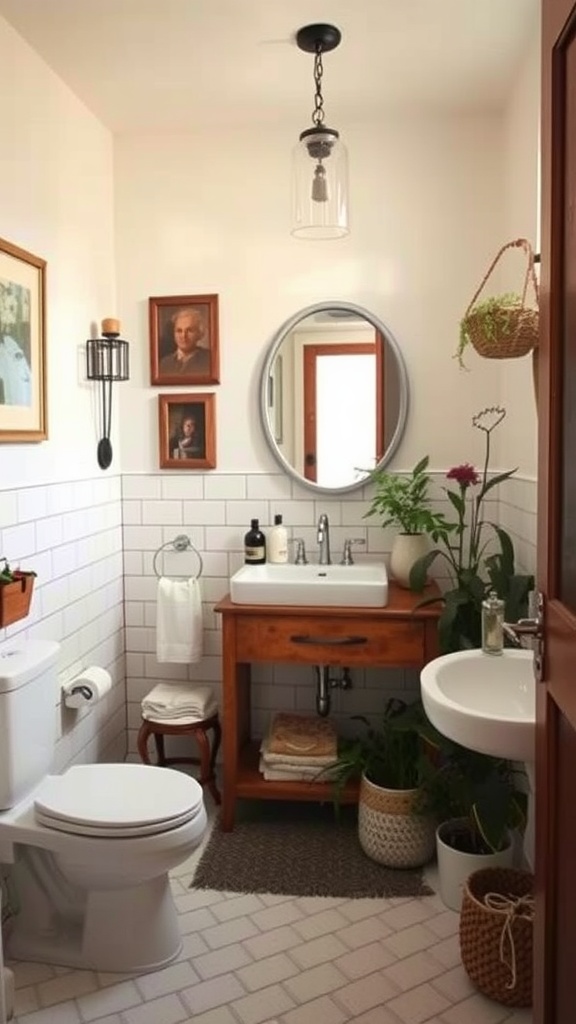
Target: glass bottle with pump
254,544
492,624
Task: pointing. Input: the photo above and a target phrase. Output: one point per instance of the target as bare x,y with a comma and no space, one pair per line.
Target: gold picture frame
22,345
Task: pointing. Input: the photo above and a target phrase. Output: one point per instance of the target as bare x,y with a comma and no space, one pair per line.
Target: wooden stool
199,731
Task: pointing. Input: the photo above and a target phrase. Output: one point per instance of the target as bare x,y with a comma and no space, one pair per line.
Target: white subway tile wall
71,536
215,512
92,543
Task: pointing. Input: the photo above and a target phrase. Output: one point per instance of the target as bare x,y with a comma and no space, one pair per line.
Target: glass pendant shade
320,185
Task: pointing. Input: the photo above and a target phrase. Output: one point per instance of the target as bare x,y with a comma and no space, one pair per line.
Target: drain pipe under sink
324,684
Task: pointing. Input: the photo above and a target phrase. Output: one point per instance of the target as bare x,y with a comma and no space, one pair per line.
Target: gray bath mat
298,849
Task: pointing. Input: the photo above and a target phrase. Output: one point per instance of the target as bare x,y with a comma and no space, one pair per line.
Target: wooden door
343,404
555,930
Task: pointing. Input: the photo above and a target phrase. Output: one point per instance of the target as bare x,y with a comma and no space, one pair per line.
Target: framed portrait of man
184,343
187,431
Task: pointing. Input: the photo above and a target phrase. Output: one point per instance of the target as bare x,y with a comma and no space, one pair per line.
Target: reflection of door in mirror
343,409
333,396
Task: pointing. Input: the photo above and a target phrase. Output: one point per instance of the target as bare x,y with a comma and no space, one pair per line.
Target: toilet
90,849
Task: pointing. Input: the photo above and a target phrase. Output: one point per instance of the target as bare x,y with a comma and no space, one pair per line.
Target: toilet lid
118,800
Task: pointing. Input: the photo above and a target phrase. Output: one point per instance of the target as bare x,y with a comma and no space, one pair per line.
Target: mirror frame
404,398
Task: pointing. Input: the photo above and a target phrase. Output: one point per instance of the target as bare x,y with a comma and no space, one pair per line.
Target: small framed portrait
22,346
187,431
184,344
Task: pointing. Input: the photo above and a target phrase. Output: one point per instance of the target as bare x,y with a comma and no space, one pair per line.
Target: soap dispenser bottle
254,544
278,542
493,624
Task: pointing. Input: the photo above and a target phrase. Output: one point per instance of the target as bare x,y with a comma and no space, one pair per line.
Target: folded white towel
179,717
179,700
179,620
314,761
293,773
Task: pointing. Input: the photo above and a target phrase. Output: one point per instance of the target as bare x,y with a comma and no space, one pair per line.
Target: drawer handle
330,641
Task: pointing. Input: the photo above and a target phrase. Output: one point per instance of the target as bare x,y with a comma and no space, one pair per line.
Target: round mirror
333,396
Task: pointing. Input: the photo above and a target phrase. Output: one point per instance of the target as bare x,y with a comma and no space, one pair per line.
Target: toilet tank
28,700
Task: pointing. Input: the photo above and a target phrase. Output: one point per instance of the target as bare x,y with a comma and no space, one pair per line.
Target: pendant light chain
318,114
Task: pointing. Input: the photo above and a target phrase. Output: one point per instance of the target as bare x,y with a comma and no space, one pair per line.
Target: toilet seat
117,800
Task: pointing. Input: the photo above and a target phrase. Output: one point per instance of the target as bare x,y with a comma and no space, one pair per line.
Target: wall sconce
320,161
107,361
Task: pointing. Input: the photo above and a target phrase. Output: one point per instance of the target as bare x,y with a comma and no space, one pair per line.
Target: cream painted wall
56,201
59,514
210,213
521,185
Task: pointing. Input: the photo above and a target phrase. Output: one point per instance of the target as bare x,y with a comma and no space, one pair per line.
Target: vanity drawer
326,640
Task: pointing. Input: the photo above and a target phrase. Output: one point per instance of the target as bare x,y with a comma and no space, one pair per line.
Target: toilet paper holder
89,686
84,690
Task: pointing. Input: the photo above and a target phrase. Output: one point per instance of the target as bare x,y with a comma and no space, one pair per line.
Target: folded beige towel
179,700
302,735
294,773
316,761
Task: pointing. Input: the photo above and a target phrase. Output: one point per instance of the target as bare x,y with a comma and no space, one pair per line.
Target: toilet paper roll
87,688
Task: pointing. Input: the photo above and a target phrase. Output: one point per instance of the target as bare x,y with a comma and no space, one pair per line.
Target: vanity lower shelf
401,635
251,786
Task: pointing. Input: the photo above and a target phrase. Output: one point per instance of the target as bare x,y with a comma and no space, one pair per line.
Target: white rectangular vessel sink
356,586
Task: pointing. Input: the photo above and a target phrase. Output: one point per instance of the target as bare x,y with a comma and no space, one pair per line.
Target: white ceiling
168,65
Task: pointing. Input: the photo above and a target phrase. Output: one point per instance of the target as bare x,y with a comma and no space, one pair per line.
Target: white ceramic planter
407,548
454,867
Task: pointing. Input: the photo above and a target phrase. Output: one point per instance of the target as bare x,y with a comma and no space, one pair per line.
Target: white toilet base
127,930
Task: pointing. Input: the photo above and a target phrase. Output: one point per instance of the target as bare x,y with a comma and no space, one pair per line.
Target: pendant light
320,161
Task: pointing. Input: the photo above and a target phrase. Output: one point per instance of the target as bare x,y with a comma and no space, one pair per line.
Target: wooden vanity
399,635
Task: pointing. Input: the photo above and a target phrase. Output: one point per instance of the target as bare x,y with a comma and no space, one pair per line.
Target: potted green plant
16,588
502,326
493,327
394,826
403,501
476,800
463,546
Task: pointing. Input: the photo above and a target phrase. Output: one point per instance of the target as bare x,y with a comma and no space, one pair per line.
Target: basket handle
529,277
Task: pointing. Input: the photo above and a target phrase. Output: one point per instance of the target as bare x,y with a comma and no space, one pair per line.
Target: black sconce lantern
107,361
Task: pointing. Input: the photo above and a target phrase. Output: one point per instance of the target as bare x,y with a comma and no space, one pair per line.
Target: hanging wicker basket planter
505,326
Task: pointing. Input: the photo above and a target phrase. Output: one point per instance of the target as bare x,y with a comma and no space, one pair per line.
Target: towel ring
180,543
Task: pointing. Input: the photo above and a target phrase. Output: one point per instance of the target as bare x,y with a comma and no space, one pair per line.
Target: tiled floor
249,959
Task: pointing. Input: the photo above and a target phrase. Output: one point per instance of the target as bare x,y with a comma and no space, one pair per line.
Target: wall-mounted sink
484,702
356,586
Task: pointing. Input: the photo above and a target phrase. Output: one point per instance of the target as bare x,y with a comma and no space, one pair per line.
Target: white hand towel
179,620
175,701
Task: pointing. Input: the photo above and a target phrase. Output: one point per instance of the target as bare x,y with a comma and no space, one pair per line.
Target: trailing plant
8,575
492,317
403,500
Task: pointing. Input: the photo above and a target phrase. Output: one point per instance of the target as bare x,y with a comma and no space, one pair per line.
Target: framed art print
184,343
22,345
187,431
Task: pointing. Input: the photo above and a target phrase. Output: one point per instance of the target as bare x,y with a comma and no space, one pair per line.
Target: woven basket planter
508,330
515,332
390,831
496,934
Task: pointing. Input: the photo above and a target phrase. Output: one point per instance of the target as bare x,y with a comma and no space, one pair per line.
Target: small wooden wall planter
15,599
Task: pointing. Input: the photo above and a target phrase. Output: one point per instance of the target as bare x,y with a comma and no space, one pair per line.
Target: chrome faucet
324,541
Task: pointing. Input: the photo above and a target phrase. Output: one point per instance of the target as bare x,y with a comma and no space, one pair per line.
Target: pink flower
464,475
